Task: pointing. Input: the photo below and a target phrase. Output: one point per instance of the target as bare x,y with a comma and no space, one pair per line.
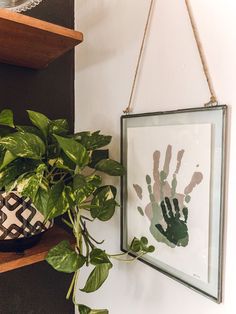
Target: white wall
171,78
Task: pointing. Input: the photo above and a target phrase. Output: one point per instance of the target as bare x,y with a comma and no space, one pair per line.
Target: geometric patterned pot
19,219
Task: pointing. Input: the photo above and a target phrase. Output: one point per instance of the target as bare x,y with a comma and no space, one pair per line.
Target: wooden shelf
11,261
29,42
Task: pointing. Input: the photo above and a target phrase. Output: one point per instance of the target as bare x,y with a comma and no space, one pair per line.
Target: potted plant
61,174
21,151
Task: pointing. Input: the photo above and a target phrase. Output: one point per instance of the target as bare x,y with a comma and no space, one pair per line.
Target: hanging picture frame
173,192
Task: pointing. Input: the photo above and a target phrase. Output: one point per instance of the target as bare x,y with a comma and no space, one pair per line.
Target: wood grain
11,261
29,42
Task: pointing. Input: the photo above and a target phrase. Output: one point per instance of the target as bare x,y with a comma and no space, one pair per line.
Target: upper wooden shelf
11,261
32,43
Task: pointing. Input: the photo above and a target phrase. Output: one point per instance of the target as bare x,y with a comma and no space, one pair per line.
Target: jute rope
128,109
213,99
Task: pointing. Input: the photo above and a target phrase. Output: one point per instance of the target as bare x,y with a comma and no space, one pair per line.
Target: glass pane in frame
173,192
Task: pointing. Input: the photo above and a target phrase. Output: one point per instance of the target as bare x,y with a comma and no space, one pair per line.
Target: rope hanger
213,99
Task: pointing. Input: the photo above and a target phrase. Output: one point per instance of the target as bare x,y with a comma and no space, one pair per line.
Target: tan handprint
161,190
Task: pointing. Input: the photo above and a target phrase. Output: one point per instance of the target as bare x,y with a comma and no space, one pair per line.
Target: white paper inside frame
195,141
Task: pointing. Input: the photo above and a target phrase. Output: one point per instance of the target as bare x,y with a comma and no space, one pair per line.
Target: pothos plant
61,173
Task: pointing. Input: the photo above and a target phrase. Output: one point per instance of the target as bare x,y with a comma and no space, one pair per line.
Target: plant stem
87,248
120,254
97,242
128,260
67,223
51,172
88,234
71,287
75,285
71,219
64,174
85,234
78,231
86,218
78,235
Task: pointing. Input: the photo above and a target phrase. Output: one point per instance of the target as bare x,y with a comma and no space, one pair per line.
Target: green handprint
156,215
161,189
176,231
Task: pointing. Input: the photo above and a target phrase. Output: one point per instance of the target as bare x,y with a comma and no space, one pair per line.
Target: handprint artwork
168,208
168,193
172,191
176,229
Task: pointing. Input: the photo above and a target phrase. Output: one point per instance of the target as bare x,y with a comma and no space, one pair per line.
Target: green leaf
151,249
99,312
15,169
41,201
105,212
55,194
74,150
24,145
28,185
80,189
111,187
104,203
144,240
8,158
97,277
94,180
144,244
40,121
98,256
65,202
63,162
111,167
85,186
2,153
98,155
64,259
6,118
93,140
83,309
6,130
55,205
11,186
59,200
141,246
135,245
59,127
53,150
30,129
8,175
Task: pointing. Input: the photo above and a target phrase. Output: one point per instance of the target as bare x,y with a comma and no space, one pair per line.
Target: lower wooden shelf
11,261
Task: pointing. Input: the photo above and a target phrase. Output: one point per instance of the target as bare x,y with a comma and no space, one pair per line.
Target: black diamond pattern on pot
3,230
26,221
3,218
12,201
39,227
14,231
